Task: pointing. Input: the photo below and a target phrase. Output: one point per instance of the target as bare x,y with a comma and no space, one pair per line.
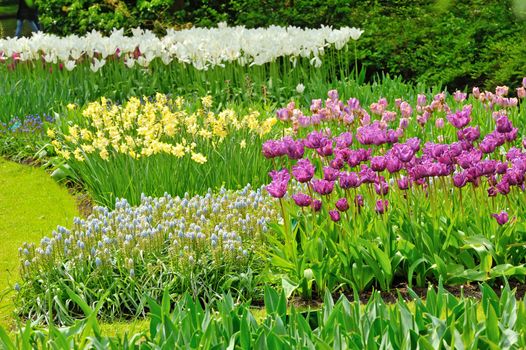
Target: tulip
378,163
277,189
461,118
501,218
501,90
273,149
316,205
349,180
303,171
330,174
381,187
335,215
460,180
344,140
323,187
403,152
403,183
302,199
421,100
381,206
503,124
459,96
342,204
358,201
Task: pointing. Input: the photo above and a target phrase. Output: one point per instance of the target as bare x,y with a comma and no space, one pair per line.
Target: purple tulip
349,180
367,175
330,174
281,175
342,204
381,187
337,162
503,124
283,114
460,180
302,199
335,215
513,153
403,152
501,168
492,192
378,163
487,167
303,171
273,149
358,201
393,164
461,118
501,218
469,134
294,149
381,206
421,100
323,187
353,103
316,205
277,189
414,143
503,187
315,105
439,123
512,135
403,183
489,144
514,177
459,96
333,95
315,140
404,123
280,180
325,150
344,140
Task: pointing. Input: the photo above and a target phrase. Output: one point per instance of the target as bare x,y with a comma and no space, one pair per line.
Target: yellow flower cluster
154,126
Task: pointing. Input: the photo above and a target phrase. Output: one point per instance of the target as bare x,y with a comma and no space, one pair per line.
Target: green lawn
31,206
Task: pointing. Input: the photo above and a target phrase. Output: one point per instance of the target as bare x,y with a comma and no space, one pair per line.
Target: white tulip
300,88
201,47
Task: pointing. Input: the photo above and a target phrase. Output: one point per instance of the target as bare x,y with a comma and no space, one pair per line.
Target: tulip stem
461,207
288,234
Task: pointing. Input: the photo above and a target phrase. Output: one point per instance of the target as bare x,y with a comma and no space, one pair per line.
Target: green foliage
440,321
266,84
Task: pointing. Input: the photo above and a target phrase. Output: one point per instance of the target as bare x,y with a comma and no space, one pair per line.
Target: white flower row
203,48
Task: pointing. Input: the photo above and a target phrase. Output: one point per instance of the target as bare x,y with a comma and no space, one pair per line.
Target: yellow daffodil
198,158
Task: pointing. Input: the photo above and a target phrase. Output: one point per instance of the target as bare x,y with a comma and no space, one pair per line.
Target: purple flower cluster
332,165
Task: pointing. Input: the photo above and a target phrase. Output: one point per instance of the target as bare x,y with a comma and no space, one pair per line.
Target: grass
31,206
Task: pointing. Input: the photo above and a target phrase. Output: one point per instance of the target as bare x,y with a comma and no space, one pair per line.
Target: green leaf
6,341
288,287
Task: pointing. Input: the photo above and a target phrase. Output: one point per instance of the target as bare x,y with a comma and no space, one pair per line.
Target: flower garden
250,188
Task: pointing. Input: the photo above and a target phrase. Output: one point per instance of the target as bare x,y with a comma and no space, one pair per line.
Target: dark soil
402,290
